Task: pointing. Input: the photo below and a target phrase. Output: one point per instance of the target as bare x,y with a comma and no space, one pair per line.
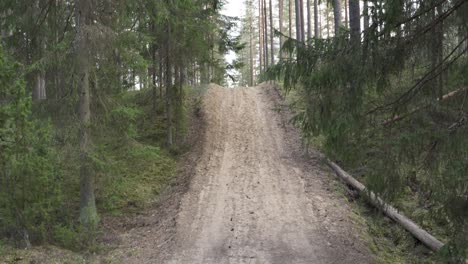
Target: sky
233,8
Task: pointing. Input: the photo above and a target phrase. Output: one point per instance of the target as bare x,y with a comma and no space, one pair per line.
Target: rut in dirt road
252,200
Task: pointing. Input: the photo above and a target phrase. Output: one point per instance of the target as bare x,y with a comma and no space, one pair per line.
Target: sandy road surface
252,200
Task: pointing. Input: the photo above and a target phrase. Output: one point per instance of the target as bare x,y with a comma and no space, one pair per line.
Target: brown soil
247,195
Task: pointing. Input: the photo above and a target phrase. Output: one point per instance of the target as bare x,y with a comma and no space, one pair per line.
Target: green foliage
129,44
66,237
30,186
124,119
376,106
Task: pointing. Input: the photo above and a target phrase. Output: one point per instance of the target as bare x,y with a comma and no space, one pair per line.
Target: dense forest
97,98
380,87
93,107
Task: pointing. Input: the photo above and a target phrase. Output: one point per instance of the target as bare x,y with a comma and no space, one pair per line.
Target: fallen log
423,236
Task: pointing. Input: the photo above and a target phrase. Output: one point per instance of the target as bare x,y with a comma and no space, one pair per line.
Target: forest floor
247,194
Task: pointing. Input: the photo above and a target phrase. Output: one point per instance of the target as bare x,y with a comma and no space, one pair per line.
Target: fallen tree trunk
423,236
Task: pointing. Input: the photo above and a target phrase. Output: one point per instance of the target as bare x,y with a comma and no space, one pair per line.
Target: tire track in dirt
252,199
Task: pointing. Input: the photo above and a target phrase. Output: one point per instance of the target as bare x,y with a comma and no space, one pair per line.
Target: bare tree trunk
290,18
355,22
39,91
346,13
422,235
316,20
153,73
260,32
319,22
252,55
281,11
438,53
337,15
365,46
302,20
265,34
168,88
272,44
366,15
298,20
309,21
88,212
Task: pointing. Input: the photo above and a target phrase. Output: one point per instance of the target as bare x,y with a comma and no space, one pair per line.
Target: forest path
246,193
254,198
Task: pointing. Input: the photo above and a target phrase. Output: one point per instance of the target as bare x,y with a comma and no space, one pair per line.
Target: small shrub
124,118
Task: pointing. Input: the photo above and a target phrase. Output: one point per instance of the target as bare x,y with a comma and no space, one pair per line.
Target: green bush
66,237
30,190
124,119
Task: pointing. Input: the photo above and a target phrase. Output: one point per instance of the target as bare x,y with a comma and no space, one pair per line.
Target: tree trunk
309,21
260,33
153,71
252,55
439,36
290,18
39,91
281,39
302,20
319,22
316,19
366,15
346,12
168,88
337,15
298,20
355,22
272,44
265,34
423,236
88,212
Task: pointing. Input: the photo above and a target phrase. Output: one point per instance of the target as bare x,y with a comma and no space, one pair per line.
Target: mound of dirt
254,198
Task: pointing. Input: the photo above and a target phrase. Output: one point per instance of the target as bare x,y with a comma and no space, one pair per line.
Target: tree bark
252,55
365,46
265,34
337,15
302,20
290,18
316,19
423,236
346,13
168,88
366,15
260,33
309,21
355,22
298,20
153,72
272,44
281,39
88,212
39,91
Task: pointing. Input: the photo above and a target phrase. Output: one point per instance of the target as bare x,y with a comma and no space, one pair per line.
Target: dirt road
253,199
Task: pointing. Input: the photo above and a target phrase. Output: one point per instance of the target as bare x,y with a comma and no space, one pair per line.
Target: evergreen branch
408,95
438,20
417,109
